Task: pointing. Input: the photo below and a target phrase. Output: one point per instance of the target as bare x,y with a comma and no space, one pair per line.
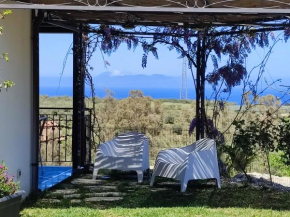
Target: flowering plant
7,185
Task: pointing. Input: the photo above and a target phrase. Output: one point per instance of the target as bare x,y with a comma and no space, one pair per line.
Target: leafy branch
5,84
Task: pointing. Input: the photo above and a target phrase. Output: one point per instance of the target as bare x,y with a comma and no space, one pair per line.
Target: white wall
16,103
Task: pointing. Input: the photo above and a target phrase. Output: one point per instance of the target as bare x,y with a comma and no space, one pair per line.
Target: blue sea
156,93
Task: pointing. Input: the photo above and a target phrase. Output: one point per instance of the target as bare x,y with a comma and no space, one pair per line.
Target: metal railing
56,125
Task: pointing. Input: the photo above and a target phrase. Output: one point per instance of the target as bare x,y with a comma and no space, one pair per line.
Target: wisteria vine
217,43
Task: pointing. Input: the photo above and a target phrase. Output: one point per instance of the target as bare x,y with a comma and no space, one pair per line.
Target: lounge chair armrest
178,151
175,155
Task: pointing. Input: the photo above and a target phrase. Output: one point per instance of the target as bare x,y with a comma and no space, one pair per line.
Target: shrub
7,185
283,131
278,167
258,135
243,149
177,129
169,120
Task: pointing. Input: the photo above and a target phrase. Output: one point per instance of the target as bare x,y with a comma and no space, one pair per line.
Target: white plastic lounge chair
128,151
196,161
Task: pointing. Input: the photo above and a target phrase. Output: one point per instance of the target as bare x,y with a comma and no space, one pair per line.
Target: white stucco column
16,103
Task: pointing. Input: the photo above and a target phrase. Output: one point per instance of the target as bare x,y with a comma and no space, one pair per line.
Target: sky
54,48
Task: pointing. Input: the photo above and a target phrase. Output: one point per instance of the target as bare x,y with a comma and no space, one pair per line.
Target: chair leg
183,185
140,176
218,182
152,179
95,173
148,173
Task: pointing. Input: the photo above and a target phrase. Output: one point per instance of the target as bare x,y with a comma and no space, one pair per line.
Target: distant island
108,80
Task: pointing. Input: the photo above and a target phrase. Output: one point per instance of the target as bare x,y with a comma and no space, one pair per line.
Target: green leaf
7,12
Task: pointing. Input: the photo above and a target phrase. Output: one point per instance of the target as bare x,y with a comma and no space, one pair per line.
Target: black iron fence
55,136
56,126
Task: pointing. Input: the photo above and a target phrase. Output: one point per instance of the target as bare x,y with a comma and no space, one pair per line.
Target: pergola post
82,99
37,17
78,135
197,91
200,85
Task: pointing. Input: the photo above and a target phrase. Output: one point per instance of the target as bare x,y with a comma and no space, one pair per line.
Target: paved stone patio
121,190
84,189
106,190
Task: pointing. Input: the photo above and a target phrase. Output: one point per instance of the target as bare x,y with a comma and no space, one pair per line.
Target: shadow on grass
166,193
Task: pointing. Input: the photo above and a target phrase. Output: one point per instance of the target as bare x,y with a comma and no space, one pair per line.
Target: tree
233,43
136,94
133,113
258,135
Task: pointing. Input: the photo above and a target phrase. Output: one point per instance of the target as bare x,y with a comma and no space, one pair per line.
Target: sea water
155,93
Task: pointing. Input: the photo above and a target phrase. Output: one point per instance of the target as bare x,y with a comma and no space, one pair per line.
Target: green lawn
176,211
200,199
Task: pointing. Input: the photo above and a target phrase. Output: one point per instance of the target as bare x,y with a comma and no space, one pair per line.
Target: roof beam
136,9
54,30
64,26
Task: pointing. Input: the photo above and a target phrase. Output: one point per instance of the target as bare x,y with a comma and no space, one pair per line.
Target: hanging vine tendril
235,43
107,39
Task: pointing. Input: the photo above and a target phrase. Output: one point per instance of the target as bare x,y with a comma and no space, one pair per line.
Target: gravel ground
284,180
263,180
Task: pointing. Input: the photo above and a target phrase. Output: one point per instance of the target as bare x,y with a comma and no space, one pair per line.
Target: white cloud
116,73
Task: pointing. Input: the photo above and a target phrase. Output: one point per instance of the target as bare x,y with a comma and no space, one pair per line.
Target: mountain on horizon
109,80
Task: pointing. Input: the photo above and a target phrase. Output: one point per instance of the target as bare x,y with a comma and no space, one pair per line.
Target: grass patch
277,166
174,212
